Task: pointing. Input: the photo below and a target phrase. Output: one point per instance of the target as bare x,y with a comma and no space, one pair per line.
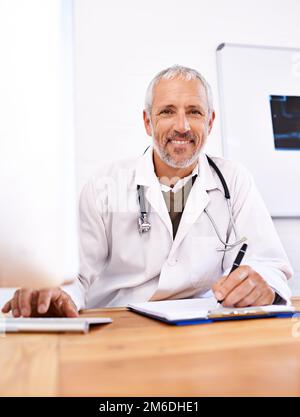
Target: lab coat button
172,261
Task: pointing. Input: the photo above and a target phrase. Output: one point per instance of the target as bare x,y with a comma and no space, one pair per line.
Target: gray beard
167,159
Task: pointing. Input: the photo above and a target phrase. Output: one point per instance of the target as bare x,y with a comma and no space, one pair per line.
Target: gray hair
178,71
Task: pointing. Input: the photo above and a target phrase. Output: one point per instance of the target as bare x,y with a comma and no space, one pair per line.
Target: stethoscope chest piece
143,224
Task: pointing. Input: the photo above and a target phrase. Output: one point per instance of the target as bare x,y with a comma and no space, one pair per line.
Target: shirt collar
181,182
145,174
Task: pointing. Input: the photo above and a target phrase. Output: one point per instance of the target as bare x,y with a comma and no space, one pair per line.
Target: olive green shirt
176,201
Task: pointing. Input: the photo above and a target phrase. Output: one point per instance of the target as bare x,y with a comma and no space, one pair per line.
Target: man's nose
181,124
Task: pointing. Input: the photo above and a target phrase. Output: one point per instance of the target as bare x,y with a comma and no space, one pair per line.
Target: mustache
182,136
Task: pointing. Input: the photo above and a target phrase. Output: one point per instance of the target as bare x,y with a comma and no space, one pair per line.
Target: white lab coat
118,265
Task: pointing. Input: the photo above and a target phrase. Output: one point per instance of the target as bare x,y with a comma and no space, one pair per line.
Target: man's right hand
43,303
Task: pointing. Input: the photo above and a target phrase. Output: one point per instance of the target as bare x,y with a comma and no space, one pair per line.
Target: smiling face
179,122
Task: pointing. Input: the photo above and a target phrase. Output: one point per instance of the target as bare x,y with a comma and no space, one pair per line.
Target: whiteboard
259,90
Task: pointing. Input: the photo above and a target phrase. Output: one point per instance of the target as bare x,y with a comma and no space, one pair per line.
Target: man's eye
166,111
196,112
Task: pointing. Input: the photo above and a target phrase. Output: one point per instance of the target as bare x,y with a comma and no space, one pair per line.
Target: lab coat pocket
206,261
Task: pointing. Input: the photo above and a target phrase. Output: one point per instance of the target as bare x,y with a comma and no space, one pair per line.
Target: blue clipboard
265,315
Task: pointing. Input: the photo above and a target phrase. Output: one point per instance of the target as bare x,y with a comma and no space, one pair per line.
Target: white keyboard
45,324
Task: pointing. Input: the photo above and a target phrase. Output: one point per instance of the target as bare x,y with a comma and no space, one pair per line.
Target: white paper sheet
199,308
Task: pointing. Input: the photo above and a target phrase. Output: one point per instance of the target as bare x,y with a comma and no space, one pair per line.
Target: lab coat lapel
197,201
145,175
158,205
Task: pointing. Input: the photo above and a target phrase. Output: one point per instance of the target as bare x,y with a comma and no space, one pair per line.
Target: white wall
120,45
36,89
289,232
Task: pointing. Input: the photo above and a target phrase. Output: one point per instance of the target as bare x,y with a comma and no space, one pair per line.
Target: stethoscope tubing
144,225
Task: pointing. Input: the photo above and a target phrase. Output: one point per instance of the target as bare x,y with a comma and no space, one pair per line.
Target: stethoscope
144,224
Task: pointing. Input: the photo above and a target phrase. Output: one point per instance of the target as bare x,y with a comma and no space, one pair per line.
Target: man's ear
211,121
147,123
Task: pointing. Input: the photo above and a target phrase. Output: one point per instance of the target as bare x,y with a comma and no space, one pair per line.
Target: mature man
195,231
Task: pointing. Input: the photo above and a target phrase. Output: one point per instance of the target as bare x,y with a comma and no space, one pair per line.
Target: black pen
237,262
239,257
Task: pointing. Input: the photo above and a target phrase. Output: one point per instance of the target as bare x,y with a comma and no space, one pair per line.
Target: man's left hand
243,288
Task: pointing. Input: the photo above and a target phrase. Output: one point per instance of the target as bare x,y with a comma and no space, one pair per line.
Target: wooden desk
138,356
